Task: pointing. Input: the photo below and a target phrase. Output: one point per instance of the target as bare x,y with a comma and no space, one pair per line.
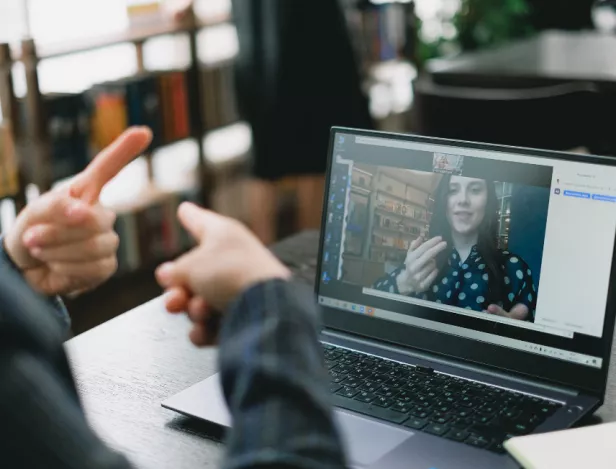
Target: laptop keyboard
424,400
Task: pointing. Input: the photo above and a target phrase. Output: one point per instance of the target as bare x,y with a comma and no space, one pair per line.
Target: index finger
428,245
88,185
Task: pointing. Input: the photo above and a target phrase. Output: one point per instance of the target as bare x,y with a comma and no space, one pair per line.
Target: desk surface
126,367
549,56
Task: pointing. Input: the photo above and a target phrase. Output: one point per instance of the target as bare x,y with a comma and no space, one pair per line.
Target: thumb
198,221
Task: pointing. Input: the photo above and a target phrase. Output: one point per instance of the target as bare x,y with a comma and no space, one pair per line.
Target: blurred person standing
296,77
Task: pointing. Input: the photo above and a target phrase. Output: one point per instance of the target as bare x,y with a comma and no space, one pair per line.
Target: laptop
467,296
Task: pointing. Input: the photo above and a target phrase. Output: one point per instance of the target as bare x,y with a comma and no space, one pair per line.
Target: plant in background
450,26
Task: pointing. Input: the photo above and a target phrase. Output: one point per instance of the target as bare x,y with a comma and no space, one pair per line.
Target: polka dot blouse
465,284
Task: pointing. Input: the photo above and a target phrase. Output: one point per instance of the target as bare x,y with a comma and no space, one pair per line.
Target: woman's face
466,204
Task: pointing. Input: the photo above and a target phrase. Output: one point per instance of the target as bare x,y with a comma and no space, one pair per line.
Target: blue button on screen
604,198
579,195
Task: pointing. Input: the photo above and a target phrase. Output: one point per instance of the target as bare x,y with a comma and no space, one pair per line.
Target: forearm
275,383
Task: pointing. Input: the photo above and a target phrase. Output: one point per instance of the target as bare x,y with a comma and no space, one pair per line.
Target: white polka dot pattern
468,283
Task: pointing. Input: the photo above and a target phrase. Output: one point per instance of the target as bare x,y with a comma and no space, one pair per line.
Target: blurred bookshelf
177,78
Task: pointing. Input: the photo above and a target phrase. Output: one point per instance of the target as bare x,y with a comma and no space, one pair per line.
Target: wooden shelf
149,196
360,190
400,215
396,232
133,34
402,199
389,248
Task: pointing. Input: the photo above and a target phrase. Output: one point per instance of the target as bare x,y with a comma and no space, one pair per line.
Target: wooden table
548,58
126,367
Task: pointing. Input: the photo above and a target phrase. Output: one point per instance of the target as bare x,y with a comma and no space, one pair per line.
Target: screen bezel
549,370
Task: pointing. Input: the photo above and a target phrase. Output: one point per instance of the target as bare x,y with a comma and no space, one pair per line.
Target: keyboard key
328,347
457,435
423,400
424,370
416,423
465,413
342,369
396,383
488,409
487,431
482,419
461,423
369,409
382,368
386,391
403,407
380,378
335,377
442,408
497,447
437,429
329,364
421,413
477,441
406,396
365,396
352,382
439,418
334,388
348,392
467,401
511,414
369,386
361,373
383,401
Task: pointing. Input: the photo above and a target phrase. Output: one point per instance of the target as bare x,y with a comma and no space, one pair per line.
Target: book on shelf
110,116
175,109
144,105
219,103
81,125
68,126
382,31
150,232
9,169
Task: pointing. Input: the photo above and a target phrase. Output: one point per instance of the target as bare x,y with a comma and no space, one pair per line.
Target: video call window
447,238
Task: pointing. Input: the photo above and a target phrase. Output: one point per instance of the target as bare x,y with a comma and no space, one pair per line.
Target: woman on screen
459,264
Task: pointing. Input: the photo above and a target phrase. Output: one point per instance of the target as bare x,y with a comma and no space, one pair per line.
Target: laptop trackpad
362,444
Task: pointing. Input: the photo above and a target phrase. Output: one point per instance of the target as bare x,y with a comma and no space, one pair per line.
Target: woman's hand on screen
519,312
420,266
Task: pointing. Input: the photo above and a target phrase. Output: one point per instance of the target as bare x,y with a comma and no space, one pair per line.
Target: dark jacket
271,364
297,76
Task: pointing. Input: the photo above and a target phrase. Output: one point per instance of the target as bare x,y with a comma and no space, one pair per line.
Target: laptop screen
507,249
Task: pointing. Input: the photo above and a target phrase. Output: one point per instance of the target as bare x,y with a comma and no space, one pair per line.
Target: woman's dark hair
487,245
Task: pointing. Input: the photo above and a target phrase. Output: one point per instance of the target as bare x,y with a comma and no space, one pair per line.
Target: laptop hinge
458,364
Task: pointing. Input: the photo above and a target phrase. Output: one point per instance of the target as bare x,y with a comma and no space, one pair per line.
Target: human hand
519,312
64,242
420,265
228,260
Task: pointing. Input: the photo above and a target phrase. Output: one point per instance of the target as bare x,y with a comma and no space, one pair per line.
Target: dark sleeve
388,283
41,421
57,306
522,284
275,382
